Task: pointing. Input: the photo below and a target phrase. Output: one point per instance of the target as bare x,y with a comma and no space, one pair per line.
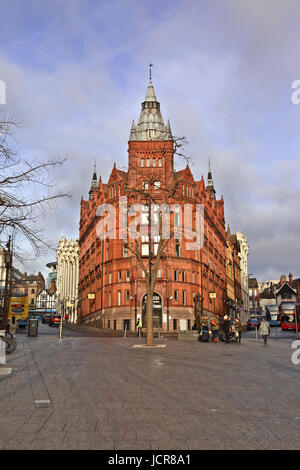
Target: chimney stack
282,279
290,279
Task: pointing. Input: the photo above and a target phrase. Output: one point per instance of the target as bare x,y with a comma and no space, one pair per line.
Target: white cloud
222,72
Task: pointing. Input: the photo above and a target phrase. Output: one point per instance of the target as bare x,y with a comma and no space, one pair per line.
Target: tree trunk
149,316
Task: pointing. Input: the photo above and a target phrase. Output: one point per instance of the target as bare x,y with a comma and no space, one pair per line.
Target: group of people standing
212,328
231,327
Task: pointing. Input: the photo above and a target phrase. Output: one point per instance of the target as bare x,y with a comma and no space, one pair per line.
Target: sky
76,72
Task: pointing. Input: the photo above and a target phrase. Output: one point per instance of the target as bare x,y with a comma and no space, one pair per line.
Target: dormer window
151,133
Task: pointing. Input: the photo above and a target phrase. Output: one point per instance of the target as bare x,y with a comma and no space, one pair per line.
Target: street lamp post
102,279
135,310
6,289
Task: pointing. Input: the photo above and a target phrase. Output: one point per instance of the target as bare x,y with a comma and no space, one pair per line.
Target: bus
272,315
288,315
18,308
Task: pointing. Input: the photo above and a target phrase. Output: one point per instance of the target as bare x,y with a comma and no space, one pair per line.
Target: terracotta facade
112,284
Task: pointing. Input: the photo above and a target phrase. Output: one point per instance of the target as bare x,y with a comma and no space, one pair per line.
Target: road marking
39,402
5,370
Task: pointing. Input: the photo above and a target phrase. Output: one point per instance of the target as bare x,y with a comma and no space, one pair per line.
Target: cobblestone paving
106,395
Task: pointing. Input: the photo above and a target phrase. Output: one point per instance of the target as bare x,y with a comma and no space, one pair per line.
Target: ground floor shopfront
165,317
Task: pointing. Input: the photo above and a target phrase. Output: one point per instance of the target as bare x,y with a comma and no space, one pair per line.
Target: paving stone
105,394
129,445
94,445
169,444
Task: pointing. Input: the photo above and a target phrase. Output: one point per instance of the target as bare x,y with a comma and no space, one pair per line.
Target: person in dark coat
226,328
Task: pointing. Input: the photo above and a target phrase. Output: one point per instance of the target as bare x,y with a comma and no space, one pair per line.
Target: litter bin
33,325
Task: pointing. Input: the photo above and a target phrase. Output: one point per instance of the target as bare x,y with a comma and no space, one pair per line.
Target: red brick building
233,275
112,284
254,302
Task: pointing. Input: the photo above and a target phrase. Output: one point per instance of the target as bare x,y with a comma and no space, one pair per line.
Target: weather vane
150,74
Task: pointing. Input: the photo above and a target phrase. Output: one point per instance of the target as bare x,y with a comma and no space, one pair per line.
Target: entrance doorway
157,310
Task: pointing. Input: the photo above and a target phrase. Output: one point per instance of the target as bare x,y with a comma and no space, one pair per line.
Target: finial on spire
150,71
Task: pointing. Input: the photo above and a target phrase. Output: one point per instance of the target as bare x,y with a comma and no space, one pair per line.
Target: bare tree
25,190
166,193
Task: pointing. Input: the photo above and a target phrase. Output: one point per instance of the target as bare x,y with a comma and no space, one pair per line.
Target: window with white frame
177,216
145,215
125,251
119,297
145,245
156,239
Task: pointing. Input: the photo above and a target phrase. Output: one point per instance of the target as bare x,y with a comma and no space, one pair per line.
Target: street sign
91,296
212,295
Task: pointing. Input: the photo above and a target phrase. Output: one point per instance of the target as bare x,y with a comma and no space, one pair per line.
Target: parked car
46,318
253,323
55,320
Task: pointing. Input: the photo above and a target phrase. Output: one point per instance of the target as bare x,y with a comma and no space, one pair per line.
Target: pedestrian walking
66,318
139,326
215,329
239,327
264,330
12,326
226,328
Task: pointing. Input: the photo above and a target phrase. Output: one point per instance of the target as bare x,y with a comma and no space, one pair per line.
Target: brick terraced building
112,285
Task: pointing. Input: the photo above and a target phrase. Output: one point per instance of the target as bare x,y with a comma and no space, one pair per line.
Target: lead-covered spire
150,124
94,183
210,183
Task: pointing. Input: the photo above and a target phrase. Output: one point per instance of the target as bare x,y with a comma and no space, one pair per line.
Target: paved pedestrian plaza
92,392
